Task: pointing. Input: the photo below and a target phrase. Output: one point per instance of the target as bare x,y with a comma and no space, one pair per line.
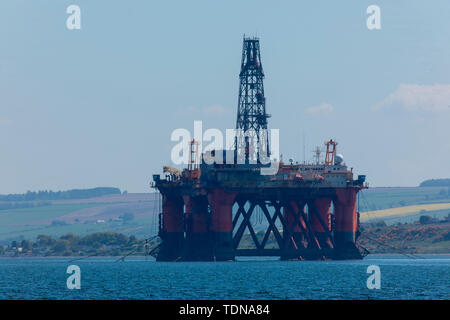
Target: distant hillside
60,195
81,216
436,183
407,238
386,198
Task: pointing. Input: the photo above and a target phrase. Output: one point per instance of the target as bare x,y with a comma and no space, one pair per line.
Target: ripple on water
137,278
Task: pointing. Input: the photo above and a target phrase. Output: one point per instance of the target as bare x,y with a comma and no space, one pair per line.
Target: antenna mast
331,152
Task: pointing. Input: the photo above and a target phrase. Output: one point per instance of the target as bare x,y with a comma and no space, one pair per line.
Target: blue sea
420,277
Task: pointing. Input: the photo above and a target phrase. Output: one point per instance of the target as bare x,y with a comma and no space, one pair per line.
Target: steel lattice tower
251,113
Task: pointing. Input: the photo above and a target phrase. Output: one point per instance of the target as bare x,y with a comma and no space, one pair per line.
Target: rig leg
346,224
172,233
198,238
221,203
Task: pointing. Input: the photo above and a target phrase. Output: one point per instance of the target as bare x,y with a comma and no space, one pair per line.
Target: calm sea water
143,278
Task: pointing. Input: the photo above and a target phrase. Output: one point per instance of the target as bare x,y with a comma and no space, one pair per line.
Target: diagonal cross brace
238,214
311,233
272,226
290,230
245,223
315,211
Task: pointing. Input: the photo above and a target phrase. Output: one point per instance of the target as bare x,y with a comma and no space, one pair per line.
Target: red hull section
346,216
222,206
196,210
173,214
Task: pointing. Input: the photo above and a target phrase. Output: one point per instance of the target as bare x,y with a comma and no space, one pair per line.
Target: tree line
61,195
94,244
436,183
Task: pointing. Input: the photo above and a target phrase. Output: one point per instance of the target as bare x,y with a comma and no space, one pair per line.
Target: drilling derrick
251,113
309,209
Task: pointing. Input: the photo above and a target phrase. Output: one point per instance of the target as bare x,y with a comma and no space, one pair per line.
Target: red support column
346,217
173,228
198,242
221,203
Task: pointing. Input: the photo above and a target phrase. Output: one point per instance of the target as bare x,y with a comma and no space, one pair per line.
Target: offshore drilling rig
310,208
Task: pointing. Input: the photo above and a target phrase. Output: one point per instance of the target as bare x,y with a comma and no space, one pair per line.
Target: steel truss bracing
251,113
288,245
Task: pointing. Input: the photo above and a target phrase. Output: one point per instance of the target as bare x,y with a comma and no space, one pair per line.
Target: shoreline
77,258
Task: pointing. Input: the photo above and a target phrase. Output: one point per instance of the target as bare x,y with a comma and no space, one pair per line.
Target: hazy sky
97,106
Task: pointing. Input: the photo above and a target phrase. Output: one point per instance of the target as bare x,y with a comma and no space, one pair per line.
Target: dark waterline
257,278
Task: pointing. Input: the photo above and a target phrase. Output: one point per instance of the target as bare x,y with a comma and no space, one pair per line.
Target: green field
24,223
385,198
27,215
